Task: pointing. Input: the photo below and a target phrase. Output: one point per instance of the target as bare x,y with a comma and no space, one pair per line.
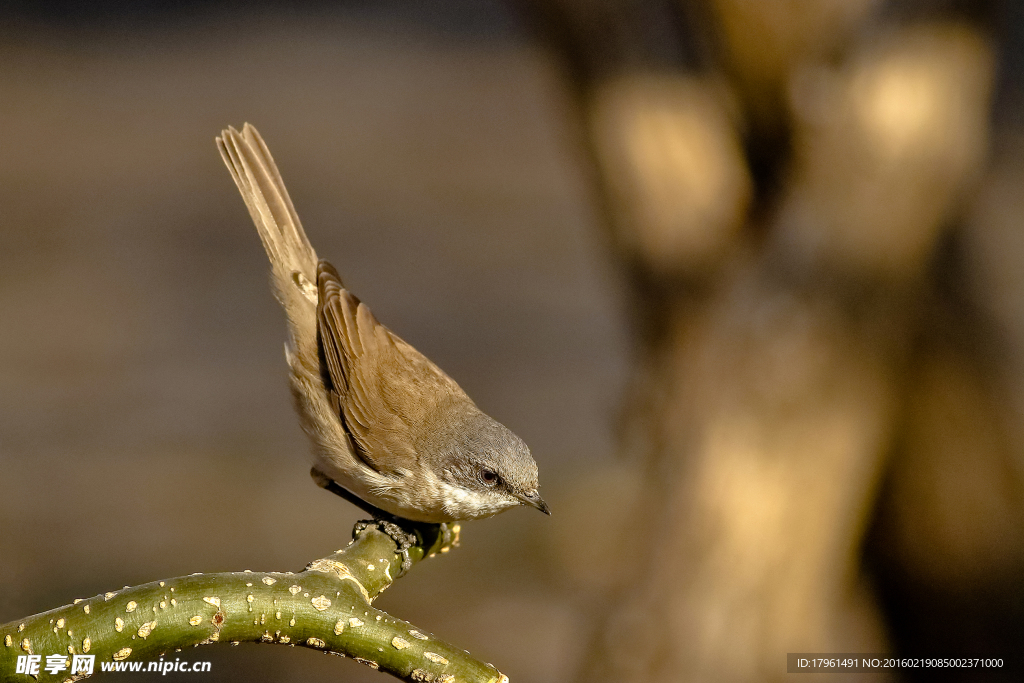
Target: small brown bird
387,425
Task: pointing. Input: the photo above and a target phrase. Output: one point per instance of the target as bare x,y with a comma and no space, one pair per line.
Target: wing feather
382,387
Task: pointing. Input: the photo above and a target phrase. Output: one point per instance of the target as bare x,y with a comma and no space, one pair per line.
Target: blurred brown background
760,261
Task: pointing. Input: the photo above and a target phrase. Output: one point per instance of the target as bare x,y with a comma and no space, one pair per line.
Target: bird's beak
533,499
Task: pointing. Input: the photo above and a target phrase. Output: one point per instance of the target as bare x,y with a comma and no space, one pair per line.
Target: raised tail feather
292,259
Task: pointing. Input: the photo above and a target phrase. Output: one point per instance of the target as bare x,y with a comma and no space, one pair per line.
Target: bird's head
485,469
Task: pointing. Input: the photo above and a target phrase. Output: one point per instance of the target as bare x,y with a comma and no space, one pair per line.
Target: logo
75,664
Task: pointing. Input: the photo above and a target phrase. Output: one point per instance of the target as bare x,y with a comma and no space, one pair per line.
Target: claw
403,539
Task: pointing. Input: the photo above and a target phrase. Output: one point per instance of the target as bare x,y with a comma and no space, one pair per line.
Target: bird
390,431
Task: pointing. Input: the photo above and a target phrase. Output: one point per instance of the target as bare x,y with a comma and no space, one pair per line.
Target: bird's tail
292,259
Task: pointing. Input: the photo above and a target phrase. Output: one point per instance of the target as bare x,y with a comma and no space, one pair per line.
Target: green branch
325,607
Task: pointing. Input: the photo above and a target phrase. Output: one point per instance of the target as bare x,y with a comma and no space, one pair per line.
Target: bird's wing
380,386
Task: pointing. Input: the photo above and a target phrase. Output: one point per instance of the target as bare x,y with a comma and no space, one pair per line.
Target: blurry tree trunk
776,187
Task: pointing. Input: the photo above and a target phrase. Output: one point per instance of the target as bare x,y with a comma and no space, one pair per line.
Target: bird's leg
328,484
385,521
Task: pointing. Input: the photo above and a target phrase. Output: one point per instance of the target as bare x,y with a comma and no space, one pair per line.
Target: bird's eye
488,477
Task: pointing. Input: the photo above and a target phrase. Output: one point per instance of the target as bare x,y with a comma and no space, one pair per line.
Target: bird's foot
403,539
